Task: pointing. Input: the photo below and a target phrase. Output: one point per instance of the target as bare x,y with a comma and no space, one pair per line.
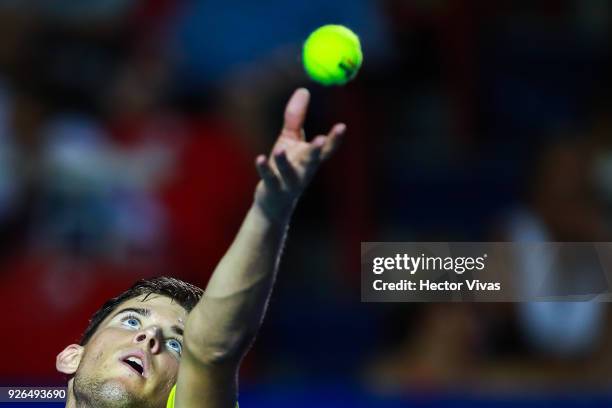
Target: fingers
286,171
333,140
295,113
280,173
313,158
316,148
266,173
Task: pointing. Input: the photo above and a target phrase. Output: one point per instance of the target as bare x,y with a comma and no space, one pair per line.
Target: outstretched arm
223,324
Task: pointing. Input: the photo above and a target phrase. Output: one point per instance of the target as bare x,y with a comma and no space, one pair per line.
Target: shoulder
172,396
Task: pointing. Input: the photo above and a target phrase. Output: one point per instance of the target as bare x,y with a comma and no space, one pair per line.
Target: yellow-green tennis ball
332,55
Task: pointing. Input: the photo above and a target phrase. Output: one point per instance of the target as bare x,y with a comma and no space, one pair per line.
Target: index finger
295,112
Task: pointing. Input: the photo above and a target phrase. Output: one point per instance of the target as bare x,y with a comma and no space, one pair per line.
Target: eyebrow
146,313
138,310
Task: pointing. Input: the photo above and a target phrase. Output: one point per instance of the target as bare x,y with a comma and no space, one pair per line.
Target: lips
137,361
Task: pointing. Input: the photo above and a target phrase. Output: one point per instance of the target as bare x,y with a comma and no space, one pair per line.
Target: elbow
222,352
215,357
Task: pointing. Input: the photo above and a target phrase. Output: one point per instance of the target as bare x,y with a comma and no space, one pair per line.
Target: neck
70,400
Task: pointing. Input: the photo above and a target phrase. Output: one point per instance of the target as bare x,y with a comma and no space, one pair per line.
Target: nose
152,337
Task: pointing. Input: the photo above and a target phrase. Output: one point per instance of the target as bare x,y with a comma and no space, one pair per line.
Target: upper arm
202,385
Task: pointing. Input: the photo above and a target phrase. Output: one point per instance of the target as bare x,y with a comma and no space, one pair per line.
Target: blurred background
128,132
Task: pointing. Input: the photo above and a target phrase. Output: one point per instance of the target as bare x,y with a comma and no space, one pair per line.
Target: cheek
102,347
170,366
93,362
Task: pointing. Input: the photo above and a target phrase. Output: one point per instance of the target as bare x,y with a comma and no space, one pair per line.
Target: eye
175,345
131,322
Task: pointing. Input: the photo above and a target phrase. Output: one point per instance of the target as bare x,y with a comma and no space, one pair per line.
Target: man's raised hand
286,172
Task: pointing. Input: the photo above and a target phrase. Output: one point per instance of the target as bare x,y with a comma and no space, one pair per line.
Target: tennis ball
332,55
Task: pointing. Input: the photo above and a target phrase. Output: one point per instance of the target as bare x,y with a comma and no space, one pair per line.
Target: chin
115,390
123,393
119,391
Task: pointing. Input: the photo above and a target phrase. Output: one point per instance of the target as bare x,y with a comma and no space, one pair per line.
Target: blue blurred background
128,131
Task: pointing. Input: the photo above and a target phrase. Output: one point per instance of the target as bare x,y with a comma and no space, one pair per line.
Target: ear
67,361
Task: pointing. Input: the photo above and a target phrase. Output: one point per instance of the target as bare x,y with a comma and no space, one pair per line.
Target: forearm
226,319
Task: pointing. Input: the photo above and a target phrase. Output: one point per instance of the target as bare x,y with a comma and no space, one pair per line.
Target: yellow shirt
170,403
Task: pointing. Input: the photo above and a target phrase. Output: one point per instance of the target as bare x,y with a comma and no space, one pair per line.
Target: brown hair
183,293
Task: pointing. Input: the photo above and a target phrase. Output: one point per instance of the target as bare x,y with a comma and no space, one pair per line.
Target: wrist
278,215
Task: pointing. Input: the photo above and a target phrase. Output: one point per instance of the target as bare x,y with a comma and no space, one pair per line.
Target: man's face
133,357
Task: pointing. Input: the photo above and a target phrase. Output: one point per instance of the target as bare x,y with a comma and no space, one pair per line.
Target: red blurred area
51,297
